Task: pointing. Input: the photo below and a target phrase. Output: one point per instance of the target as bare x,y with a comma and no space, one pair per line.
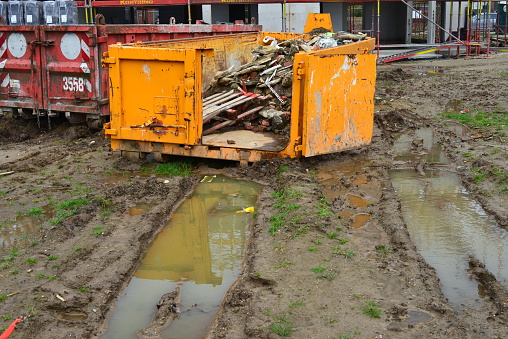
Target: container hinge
108,60
300,70
44,43
93,40
298,148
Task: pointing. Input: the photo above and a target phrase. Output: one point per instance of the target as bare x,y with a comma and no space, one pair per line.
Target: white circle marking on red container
16,44
70,46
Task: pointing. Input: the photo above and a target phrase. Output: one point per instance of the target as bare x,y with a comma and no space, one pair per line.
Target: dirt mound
397,120
397,74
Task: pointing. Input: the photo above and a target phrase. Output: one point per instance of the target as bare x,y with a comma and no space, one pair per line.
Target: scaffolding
452,28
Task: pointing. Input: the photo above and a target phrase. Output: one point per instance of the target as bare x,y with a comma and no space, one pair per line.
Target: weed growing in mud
480,119
468,155
104,202
76,249
84,289
298,303
283,169
291,207
282,326
346,253
327,275
319,269
32,311
7,317
53,257
280,247
32,260
174,169
312,249
56,265
43,276
323,208
343,240
81,190
477,178
332,235
282,329
98,230
35,212
67,208
14,252
384,250
284,263
278,221
301,230
3,297
371,309
15,272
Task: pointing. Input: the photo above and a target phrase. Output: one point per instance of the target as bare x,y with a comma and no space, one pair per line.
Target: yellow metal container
157,107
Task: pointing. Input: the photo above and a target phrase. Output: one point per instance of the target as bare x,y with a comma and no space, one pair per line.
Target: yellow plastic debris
247,210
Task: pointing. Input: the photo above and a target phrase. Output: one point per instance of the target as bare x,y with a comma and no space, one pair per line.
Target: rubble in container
257,95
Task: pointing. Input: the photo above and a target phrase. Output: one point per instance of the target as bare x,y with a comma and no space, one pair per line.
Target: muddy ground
341,243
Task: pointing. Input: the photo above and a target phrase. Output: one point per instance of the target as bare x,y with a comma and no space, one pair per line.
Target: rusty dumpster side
56,69
157,104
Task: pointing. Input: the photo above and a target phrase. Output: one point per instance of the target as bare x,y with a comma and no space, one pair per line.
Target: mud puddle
420,144
200,250
21,232
445,222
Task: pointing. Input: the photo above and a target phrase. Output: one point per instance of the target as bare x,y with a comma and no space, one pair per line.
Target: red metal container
51,70
20,86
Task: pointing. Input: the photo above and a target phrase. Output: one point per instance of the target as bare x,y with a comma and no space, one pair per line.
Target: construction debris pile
257,95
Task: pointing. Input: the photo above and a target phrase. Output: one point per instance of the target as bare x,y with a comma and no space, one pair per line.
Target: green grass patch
319,269
174,169
384,249
84,289
35,212
278,221
282,326
480,119
98,230
323,208
67,208
284,263
371,309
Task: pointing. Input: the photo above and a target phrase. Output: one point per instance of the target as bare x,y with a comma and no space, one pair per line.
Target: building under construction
411,27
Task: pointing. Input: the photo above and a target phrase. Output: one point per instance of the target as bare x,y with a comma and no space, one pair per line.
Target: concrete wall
339,13
296,15
393,21
270,17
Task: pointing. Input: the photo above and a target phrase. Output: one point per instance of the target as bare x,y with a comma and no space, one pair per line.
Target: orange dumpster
157,104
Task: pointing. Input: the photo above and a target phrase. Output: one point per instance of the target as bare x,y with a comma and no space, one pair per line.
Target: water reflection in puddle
201,247
22,231
446,224
413,317
73,316
457,128
360,220
140,208
420,146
